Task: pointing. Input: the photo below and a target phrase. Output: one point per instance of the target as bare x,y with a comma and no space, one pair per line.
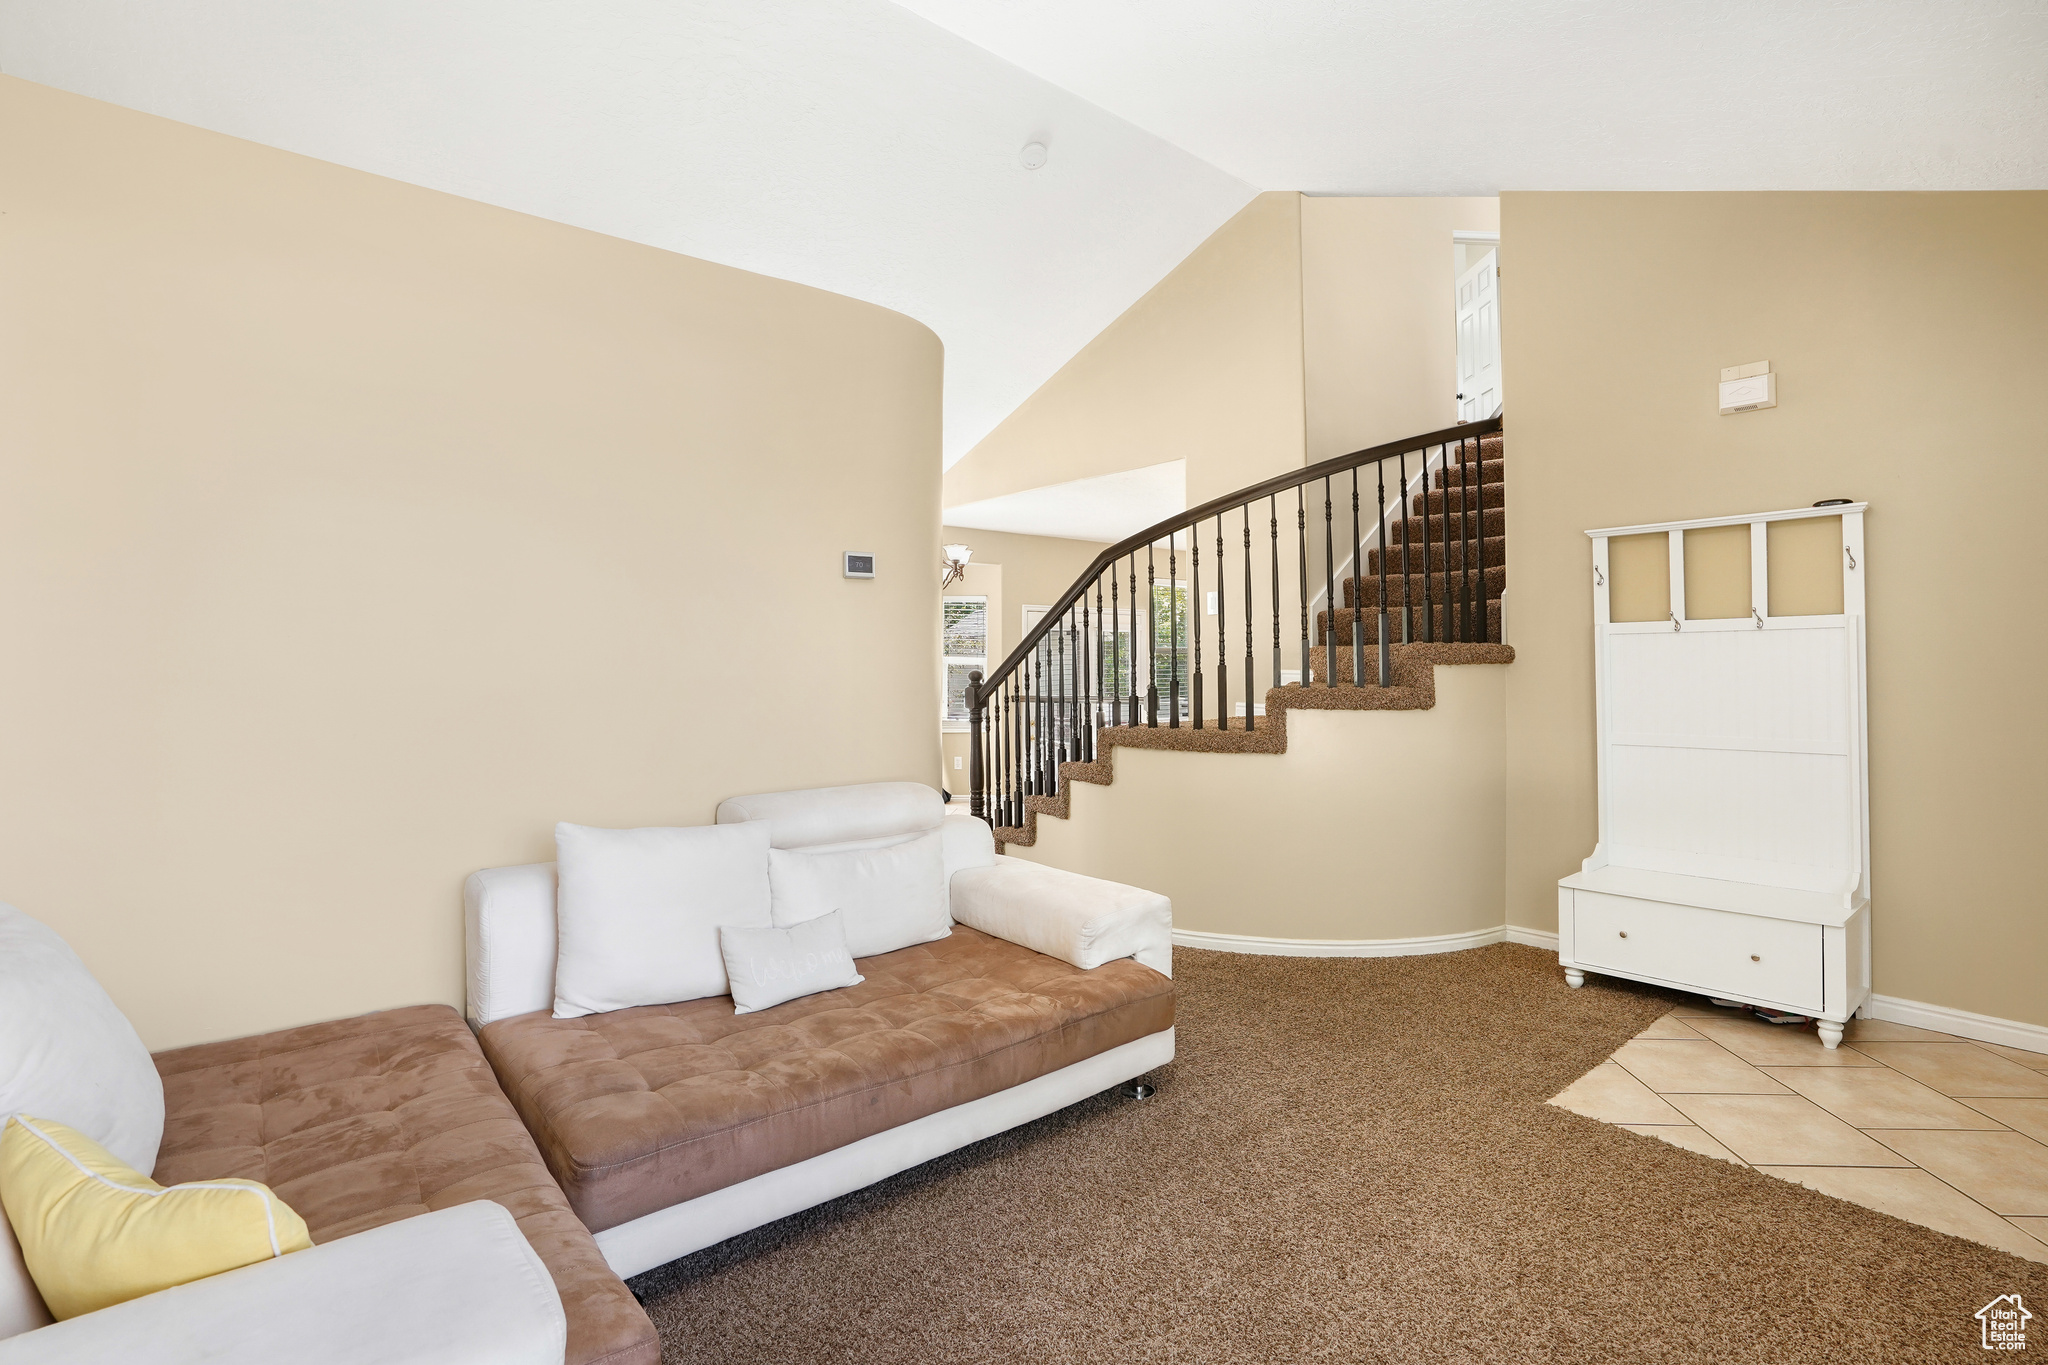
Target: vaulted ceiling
873,149
1416,97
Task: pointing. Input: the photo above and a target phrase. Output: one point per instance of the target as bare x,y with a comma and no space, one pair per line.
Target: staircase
1442,508
1104,670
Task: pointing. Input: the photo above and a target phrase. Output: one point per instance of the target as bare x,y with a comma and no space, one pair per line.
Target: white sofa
457,1286
1119,936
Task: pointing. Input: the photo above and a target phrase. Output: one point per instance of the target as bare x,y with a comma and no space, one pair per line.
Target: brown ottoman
365,1121
640,1109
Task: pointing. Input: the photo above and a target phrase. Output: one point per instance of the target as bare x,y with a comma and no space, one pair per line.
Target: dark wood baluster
1301,559
1386,647
1037,721
1032,730
1450,597
975,717
1195,605
1095,707
1017,747
1077,705
1063,697
1133,675
1479,538
1407,601
1329,600
1052,710
1084,690
1250,680
1042,681
1151,642
1048,688
1222,635
1472,627
1357,587
1116,693
1173,631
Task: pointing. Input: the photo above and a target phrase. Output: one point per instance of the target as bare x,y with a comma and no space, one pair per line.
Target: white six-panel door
1479,339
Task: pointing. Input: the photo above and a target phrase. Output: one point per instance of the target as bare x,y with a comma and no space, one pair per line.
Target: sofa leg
1136,1090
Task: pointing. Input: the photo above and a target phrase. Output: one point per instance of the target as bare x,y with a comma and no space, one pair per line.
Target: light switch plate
1745,388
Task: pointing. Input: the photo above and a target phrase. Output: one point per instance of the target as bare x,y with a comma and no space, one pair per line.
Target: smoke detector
1032,157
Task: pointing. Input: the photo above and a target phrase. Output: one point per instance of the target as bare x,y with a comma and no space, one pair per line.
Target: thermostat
859,564
1745,388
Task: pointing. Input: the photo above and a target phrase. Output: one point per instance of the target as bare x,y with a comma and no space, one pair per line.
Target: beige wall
1205,367
1909,332
1303,328
354,534
1379,317
1373,825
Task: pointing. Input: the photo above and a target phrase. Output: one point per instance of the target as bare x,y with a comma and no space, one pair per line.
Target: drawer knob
1754,958
1624,933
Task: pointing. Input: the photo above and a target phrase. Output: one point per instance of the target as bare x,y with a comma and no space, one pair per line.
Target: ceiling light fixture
954,564
1032,157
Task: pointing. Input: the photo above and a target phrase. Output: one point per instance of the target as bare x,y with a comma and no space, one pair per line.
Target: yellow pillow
95,1233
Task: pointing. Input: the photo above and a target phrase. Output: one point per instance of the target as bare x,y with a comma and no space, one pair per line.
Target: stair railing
1078,670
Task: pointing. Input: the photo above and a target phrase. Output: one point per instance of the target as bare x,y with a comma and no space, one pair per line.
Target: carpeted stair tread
1467,452
1489,472
1365,592
1459,499
1369,630
1464,525
1496,553
1414,689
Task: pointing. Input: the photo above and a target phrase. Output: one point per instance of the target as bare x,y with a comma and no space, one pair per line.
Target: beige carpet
1351,1161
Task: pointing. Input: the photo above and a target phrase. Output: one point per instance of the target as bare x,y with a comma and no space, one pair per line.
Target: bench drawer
1714,951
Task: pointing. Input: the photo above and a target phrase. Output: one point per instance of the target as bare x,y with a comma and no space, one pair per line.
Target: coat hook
1759,617
1598,581
1852,556
1674,620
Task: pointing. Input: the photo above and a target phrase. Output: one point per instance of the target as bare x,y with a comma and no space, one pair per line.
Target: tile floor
1930,1128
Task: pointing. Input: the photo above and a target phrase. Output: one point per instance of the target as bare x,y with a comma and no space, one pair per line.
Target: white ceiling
1414,97
850,145
857,147
1107,508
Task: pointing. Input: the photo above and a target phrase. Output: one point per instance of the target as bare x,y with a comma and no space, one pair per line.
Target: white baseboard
1963,1024
1364,947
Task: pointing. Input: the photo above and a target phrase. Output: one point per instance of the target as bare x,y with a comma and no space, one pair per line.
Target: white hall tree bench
1734,852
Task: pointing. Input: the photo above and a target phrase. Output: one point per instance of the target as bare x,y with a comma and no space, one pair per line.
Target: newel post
977,805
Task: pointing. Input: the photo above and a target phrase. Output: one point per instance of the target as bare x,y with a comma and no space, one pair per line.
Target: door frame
1480,238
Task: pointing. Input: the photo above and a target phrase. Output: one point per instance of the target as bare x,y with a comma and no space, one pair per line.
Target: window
1127,656
1170,646
963,647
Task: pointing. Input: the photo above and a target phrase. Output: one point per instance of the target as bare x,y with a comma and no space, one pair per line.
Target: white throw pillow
769,966
889,898
638,912
66,1053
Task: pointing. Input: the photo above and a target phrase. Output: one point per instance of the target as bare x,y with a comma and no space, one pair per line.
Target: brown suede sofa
641,1109
673,1127
365,1121
661,1129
